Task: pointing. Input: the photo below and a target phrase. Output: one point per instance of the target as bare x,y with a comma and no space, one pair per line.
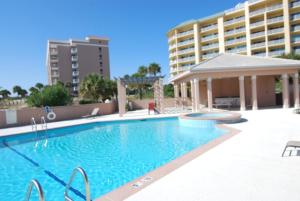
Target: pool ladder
36,184
86,184
33,124
43,123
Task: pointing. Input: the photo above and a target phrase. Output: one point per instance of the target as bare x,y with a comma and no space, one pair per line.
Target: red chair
151,106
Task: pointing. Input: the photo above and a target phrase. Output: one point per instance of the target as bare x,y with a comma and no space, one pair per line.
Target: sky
136,29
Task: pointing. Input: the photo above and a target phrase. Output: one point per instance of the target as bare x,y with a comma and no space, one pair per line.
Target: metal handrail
36,184
33,124
86,183
43,123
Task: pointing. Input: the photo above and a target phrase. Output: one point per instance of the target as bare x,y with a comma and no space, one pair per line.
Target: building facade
264,28
70,61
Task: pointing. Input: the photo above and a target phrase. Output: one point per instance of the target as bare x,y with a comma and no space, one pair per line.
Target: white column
121,98
254,93
161,95
184,91
197,94
176,94
296,90
209,94
285,91
181,92
242,93
193,96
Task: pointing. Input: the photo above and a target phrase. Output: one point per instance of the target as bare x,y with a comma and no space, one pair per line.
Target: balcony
184,68
172,62
208,28
296,39
258,45
275,31
172,38
275,20
276,53
238,40
186,51
260,54
210,55
173,70
235,31
55,75
53,52
186,33
211,46
274,7
233,21
257,24
296,28
210,37
75,73
257,12
74,58
186,59
237,50
172,46
297,50
74,66
173,54
276,42
295,16
75,81
258,34
73,50
295,4
186,42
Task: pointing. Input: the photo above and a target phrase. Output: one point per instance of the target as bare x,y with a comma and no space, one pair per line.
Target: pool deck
246,167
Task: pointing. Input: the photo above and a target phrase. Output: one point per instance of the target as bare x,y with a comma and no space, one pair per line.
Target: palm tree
291,55
18,90
33,90
154,68
39,86
142,71
5,93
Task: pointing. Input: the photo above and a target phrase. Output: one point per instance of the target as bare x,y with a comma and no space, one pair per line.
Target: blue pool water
112,153
208,115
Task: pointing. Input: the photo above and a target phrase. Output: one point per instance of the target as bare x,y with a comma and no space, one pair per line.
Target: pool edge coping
127,190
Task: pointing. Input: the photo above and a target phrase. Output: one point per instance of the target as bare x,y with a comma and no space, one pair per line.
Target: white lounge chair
93,114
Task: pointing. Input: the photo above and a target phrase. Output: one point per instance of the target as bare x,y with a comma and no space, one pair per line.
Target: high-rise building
256,27
70,61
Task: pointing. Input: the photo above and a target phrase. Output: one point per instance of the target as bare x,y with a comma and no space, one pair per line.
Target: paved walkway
247,167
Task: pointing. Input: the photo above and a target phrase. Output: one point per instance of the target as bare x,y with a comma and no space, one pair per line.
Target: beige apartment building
70,61
264,28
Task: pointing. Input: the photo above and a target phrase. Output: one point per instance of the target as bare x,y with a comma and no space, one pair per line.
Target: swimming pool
111,153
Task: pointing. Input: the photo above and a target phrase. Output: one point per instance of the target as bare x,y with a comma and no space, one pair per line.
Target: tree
5,93
55,95
154,68
94,87
169,90
39,85
291,55
142,71
18,90
33,90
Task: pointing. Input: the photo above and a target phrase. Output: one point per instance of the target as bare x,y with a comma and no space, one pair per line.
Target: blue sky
137,30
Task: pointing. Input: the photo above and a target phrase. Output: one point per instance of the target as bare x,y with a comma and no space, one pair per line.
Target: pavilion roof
140,80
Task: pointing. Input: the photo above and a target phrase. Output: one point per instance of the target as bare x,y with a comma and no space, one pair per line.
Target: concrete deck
246,167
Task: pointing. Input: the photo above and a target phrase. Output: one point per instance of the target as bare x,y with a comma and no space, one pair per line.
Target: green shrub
85,101
56,95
